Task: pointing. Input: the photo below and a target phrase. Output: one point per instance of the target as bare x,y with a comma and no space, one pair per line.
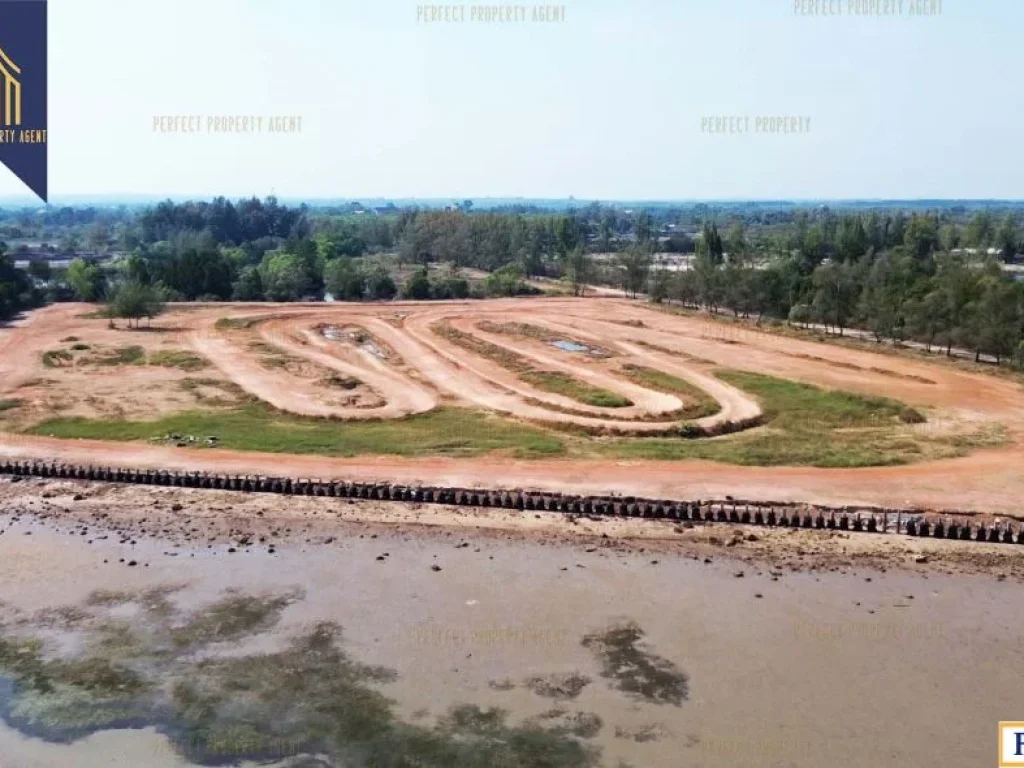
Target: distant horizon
85,199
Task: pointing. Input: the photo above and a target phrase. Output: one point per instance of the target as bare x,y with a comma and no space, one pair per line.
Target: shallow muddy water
511,654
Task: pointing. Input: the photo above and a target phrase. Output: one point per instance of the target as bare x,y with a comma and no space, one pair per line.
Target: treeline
932,277
914,291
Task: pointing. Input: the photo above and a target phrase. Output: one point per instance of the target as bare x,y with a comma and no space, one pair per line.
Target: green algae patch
138,659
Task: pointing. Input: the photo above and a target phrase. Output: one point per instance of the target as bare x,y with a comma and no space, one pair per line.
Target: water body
570,346
318,655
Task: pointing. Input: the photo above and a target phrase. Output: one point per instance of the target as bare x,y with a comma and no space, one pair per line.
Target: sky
607,104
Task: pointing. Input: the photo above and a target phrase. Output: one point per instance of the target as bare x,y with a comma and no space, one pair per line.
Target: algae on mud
634,670
183,673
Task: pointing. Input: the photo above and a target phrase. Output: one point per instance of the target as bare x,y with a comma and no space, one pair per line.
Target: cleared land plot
469,379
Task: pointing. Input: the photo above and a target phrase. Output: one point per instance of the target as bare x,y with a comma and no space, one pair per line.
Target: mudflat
486,636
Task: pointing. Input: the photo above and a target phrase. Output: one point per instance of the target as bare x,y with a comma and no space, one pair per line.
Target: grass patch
337,381
256,427
563,384
549,381
699,403
506,358
539,333
133,355
8,405
178,358
808,426
235,323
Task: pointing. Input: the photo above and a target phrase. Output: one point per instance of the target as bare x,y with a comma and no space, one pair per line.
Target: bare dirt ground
422,368
190,518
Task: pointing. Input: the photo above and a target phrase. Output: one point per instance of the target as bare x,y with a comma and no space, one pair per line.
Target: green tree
344,280
887,286
567,235
417,286
660,284
852,239
380,286
980,230
133,300
451,284
995,317
634,265
928,317
284,276
922,236
605,233
86,280
736,242
957,285
507,281
248,286
1006,237
578,269
644,228
835,294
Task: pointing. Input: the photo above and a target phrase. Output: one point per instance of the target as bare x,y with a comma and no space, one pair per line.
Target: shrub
912,416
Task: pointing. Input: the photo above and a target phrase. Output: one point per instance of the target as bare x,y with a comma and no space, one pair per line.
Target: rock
739,574
921,559
77,497
132,563
176,507
435,567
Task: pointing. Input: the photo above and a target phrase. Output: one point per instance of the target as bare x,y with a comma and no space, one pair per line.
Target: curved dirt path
990,480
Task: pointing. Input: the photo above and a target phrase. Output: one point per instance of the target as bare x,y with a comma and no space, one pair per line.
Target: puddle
356,337
570,346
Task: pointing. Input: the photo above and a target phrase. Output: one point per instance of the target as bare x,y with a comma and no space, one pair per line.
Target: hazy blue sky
607,104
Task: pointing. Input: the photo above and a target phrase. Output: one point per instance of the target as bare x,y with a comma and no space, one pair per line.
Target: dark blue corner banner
23,91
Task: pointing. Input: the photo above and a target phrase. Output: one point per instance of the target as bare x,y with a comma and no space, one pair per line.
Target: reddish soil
433,369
